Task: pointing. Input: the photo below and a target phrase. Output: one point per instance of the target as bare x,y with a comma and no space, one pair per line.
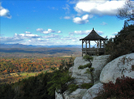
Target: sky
57,22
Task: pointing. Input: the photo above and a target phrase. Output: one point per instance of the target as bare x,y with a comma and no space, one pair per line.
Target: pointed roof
93,36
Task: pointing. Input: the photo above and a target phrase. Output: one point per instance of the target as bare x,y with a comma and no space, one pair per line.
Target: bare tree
127,12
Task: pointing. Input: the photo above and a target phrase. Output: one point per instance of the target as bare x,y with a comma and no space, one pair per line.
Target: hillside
39,52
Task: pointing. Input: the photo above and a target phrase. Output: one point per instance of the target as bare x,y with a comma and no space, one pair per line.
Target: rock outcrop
121,66
103,73
98,63
79,74
93,91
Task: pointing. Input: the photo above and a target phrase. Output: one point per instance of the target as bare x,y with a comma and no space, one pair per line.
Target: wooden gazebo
100,41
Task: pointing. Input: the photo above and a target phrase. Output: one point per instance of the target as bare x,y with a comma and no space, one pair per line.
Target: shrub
122,44
72,87
122,89
58,81
87,57
85,66
6,91
86,85
91,69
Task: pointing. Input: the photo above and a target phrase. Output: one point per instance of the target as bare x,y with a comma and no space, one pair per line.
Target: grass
86,85
28,74
85,66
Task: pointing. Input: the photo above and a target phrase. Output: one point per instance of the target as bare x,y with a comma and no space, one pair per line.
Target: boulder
79,74
93,91
98,63
121,66
58,95
77,94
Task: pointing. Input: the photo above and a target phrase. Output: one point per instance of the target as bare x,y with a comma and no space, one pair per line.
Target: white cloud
51,36
39,29
115,33
28,35
67,17
103,23
48,31
27,32
82,20
59,32
67,8
99,7
86,32
4,12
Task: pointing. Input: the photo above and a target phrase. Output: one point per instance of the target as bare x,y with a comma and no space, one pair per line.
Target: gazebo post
89,43
82,47
86,47
100,43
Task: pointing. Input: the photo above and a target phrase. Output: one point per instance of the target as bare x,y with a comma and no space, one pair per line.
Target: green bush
87,57
6,91
122,44
86,85
58,81
85,66
72,87
91,69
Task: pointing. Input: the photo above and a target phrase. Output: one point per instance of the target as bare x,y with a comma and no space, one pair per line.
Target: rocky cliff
103,73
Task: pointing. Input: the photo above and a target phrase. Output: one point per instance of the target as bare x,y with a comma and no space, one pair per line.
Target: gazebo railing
93,50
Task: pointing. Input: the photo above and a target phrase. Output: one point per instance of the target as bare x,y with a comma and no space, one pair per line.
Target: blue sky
57,22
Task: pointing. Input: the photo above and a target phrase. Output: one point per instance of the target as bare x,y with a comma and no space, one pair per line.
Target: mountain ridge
37,46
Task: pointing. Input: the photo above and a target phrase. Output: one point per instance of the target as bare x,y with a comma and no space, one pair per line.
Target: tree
127,12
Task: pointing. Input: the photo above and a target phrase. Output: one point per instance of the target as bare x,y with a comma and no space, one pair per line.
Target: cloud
52,36
28,36
67,17
47,31
59,32
86,32
39,29
9,39
99,7
82,20
103,23
4,12
115,33
67,8
27,32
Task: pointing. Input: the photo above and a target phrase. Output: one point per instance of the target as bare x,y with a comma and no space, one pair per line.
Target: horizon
48,23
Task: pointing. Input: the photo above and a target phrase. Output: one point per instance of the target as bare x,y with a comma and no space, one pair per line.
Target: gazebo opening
99,47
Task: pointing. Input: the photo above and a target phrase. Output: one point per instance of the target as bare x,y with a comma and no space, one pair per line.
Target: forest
18,68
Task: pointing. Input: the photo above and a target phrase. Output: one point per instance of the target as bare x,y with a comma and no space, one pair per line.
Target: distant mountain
64,46
15,46
37,46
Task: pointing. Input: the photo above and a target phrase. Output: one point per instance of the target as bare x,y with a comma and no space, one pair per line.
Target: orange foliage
29,64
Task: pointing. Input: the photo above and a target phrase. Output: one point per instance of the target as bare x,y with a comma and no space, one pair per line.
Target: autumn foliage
122,89
13,65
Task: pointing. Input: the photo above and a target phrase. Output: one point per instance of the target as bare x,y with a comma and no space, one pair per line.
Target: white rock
79,74
93,91
77,94
98,63
117,68
58,95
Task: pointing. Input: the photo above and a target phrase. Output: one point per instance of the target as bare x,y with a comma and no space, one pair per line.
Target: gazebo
100,41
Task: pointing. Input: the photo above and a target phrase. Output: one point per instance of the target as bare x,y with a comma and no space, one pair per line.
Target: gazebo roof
93,36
